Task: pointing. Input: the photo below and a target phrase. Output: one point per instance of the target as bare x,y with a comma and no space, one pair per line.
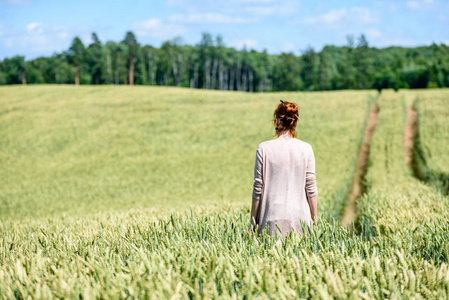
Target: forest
212,65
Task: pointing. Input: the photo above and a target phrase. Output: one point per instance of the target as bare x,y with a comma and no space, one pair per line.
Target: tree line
212,65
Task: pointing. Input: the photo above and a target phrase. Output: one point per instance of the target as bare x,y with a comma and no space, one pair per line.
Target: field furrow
179,165
358,185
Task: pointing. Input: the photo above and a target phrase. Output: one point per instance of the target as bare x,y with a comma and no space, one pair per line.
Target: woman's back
281,171
285,192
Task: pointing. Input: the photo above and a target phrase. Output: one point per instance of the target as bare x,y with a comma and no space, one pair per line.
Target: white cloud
413,4
391,6
442,17
208,18
63,34
156,28
41,37
255,8
362,15
288,47
248,43
35,27
261,10
373,33
37,38
257,1
419,4
329,18
14,2
272,8
8,42
336,19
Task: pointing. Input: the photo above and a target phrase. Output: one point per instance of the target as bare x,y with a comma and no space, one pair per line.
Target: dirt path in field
357,187
410,131
415,157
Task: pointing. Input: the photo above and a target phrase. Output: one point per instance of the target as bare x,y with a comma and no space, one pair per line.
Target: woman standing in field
285,192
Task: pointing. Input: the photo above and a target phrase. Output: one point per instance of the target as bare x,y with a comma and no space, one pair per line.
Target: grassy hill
89,149
144,192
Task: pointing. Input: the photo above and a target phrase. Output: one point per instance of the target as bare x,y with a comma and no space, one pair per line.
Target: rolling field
140,192
87,150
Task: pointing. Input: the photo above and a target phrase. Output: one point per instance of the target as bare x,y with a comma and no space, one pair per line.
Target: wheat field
144,192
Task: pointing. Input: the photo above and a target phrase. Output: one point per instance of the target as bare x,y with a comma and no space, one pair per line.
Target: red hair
287,113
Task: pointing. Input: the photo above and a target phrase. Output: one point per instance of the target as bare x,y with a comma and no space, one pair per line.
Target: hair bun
287,113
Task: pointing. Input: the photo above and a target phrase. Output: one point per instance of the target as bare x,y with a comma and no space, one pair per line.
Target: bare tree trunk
24,79
206,84
57,75
226,79
239,75
179,61
231,82
153,75
196,73
176,68
191,76
221,75
117,69
264,82
150,68
214,73
175,71
109,68
77,75
251,81
244,78
224,70
131,70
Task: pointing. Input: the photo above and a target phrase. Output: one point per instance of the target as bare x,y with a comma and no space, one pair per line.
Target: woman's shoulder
301,142
265,144
275,142
304,145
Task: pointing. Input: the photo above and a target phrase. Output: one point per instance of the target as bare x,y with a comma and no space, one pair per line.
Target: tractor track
416,159
349,215
410,135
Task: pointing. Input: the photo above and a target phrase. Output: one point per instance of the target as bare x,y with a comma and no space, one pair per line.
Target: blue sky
34,28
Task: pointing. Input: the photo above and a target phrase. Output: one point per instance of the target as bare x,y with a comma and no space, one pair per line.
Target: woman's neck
285,133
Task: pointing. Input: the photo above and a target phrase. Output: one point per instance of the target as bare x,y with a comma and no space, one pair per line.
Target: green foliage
212,65
308,71
14,68
285,75
95,59
76,53
415,76
2,78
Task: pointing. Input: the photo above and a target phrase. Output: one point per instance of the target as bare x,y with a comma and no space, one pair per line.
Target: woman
285,192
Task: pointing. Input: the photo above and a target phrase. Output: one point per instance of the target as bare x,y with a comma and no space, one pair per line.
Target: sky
36,28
